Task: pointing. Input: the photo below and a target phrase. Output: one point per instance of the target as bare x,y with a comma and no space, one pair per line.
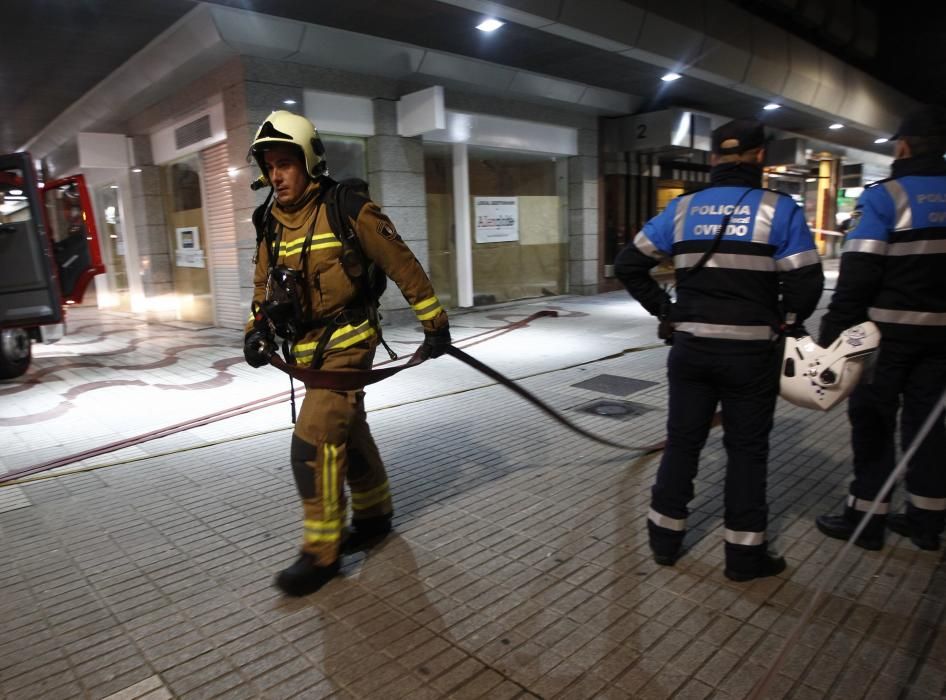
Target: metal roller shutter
221,237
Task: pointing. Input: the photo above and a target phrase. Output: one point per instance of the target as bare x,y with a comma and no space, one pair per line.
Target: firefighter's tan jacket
330,289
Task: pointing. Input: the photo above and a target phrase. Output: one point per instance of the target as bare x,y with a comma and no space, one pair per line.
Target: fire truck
49,252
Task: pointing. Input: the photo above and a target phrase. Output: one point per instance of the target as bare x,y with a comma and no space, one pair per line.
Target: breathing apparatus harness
286,312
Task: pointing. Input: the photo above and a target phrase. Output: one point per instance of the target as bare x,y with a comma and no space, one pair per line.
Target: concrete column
583,215
396,182
461,216
150,227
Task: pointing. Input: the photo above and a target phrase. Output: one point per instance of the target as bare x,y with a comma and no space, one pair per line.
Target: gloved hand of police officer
795,330
829,332
435,343
258,348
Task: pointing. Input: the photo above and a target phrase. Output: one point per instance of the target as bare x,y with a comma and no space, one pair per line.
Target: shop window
519,243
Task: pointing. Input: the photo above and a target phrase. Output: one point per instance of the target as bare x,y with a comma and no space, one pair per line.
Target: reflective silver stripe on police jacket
864,245
901,200
749,539
798,260
665,522
728,261
762,229
643,244
862,506
910,318
924,503
679,216
722,331
917,248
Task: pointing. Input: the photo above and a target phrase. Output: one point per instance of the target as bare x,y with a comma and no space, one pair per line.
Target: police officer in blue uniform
735,294
893,272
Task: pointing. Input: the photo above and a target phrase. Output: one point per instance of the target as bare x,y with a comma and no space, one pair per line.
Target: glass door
187,241
112,239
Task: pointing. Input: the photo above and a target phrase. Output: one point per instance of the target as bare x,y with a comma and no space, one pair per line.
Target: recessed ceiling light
836,126
136,170
489,25
770,106
670,77
288,102
882,139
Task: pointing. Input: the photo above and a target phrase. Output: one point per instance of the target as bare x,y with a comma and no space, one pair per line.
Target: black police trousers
915,373
741,377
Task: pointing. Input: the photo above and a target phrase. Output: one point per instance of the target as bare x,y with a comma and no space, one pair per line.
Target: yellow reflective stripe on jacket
319,241
427,309
321,530
363,501
344,337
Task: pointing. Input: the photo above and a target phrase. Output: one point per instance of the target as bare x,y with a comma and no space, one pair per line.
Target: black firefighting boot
365,533
841,527
305,575
903,525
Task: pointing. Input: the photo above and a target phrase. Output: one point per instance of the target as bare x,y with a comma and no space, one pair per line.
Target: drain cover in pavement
613,384
612,408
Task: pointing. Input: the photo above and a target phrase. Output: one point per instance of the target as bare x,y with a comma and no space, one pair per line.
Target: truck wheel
15,352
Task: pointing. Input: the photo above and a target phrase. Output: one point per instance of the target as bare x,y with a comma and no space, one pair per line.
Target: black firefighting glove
258,348
435,343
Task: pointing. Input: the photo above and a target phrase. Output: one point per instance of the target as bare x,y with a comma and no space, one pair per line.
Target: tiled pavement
519,567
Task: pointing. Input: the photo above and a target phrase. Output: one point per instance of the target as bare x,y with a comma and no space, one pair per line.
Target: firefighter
893,272
746,267
304,291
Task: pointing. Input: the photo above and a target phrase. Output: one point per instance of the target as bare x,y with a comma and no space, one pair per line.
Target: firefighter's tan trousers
332,443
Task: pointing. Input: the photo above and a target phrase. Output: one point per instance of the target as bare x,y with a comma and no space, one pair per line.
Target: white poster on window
188,253
497,219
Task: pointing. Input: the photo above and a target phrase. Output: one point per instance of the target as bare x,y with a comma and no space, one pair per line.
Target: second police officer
734,293
893,272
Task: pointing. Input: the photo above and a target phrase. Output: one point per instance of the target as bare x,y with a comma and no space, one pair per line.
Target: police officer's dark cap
738,136
925,122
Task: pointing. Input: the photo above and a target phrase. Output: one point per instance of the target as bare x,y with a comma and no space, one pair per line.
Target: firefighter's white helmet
819,378
285,128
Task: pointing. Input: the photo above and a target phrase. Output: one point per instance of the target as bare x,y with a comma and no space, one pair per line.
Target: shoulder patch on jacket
386,229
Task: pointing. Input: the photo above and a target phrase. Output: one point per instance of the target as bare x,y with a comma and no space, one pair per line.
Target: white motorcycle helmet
288,129
819,378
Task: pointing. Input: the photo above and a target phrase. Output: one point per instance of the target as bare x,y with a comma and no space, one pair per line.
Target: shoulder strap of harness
343,205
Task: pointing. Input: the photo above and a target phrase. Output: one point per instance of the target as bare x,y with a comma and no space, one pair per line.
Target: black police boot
305,575
665,545
841,527
767,564
666,558
902,525
366,533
